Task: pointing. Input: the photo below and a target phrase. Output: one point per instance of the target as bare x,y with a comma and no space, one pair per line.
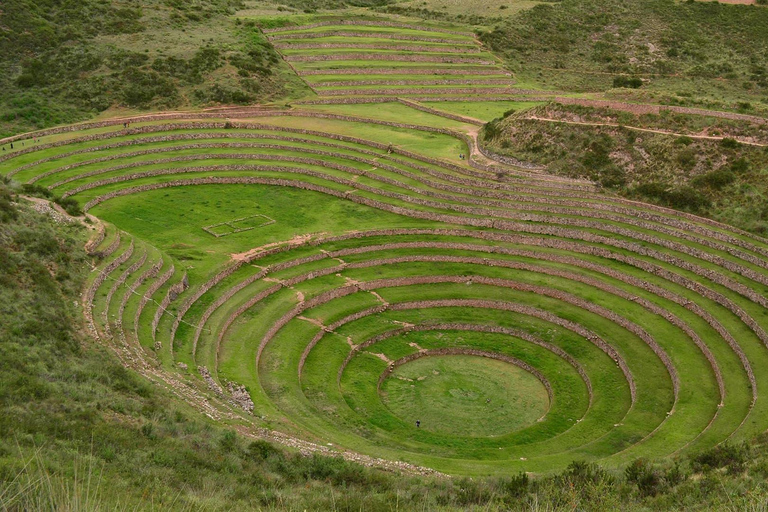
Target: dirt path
58,213
646,130
648,108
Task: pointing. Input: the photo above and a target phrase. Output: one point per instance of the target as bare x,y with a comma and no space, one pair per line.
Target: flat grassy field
465,395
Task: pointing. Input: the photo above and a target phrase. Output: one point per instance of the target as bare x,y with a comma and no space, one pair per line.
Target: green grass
465,396
544,291
485,111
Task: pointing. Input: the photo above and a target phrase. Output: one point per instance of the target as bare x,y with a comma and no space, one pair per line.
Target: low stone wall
413,91
147,274
94,242
115,285
151,290
388,57
110,248
173,291
399,71
147,118
441,113
462,81
366,23
704,221
90,293
376,46
342,33
576,261
640,109
548,219
668,317
480,222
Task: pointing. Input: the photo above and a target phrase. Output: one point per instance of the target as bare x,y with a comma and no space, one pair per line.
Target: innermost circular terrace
465,395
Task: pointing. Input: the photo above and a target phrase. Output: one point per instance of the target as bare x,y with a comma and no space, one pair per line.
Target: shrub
262,450
628,82
598,152
580,473
513,486
70,205
727,455
715,179
7,209
613,176
492,130
141,87
686,158
642,474
740,166
729,143
32,189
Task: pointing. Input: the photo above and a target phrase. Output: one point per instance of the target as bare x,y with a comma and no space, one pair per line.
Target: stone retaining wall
441,113
365,23
368,35
548,219
173,291
115,285
452,219
400,71
328,57
414,91
151,290
465,81
376,46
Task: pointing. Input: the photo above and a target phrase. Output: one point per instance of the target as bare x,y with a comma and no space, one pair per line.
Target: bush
628,82
492,130
729,456
580,473
686,158
262,450
70,205
642,474
729,143
513,486
32,189
715,179
740,166
682,198
7,209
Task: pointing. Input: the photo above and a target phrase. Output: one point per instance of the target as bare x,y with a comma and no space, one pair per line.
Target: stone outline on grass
209,229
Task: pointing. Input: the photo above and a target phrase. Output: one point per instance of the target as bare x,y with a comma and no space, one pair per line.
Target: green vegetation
68,62
337,59
693,53
339,305
131,445
714,174
465,395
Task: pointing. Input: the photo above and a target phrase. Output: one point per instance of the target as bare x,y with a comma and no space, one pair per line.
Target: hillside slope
682,52
68,61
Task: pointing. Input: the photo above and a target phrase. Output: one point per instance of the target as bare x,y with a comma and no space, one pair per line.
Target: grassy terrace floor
337,273
357,57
